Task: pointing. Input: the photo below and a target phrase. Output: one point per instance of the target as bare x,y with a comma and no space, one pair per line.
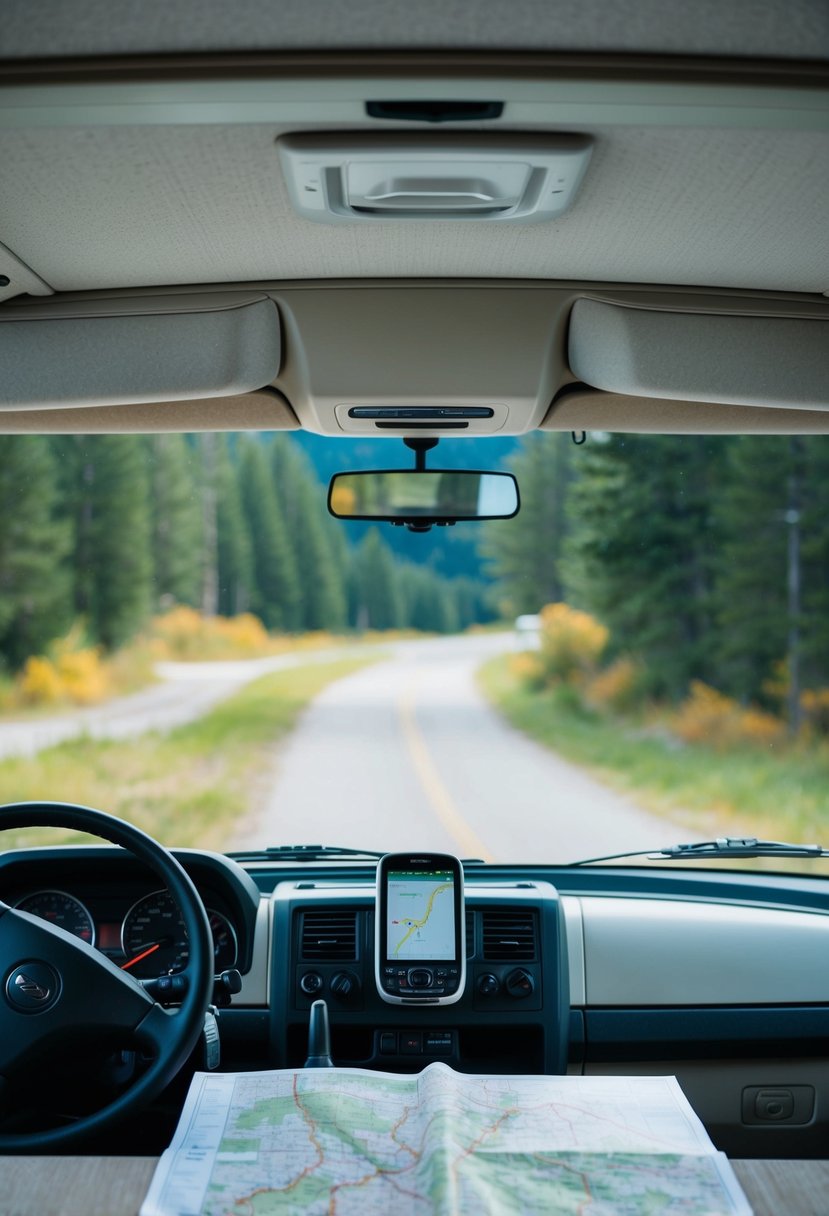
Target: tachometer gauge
224,941
153,937
59,908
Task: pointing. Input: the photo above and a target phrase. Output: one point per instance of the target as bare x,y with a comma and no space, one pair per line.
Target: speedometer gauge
155,943
59,908
153,937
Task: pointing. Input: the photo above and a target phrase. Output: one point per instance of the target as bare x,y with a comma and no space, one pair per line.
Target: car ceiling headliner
797,29
128,206
106,186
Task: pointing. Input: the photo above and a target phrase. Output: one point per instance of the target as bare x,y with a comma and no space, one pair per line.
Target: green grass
779,792
194,786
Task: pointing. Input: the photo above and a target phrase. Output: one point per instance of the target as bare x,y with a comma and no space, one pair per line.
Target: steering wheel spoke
56,987
56,990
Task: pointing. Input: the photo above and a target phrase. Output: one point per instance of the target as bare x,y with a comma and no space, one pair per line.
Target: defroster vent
329,934
509,935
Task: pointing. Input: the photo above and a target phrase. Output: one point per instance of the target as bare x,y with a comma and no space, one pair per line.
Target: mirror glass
411,494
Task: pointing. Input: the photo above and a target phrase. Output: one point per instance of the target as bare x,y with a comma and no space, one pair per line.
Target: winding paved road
407,754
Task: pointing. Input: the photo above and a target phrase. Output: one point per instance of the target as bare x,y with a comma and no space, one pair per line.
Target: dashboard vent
329,935
509,935
470,933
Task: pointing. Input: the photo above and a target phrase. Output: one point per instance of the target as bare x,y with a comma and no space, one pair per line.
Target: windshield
641,657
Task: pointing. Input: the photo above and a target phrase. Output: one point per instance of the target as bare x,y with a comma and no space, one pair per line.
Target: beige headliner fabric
114,206
265,410
773,28
586,409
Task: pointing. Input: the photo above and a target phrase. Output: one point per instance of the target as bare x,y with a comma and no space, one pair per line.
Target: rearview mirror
419,498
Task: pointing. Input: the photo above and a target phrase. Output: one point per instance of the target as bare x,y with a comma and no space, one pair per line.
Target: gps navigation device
419,947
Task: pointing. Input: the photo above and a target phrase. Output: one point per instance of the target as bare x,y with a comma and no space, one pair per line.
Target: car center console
513,1016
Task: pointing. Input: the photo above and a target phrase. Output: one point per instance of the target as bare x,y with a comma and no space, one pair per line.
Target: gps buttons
420,977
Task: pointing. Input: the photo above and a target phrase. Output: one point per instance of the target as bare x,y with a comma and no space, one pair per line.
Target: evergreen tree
321,579
525,553
235,558
773,570
380,603
112,558
641,550
176,522
429,600
35,602
814,531
276,591
208,443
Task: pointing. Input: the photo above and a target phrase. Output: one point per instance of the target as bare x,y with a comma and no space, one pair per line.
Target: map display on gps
421,914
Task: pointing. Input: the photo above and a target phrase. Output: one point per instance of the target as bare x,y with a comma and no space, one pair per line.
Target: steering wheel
53,984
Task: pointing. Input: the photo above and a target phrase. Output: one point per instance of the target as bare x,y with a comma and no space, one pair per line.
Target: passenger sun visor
142,351
683,356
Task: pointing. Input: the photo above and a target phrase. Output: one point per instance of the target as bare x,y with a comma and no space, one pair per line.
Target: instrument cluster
148,940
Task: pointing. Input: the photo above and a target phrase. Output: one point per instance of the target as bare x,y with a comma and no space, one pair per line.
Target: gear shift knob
319,1038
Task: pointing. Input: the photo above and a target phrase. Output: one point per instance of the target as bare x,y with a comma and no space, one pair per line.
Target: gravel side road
187,691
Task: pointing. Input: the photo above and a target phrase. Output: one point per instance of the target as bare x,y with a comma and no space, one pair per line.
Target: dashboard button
388,1043
411,1043
437,1043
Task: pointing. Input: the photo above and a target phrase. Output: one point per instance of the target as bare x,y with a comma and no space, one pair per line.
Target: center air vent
330,935
419,176
509,935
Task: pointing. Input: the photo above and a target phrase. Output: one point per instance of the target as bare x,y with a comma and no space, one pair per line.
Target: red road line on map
309,1169
406,1147
583,1178
488,1131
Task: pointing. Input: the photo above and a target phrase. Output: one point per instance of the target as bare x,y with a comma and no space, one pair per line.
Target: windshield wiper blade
319,852
723,846
304,852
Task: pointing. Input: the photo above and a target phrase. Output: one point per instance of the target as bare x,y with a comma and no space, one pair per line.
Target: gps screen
421,914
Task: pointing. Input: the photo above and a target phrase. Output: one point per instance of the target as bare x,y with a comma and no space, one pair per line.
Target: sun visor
579,408
170,354
727,359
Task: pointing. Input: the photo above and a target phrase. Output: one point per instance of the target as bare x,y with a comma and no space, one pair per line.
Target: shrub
815,705
618,688
570,645
83,675
185,634
39,682
70,672
708,716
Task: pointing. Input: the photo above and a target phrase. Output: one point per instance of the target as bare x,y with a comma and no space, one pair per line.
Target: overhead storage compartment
688,356
412,176
147,351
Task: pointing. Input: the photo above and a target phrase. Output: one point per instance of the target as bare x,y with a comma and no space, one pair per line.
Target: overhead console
512,1014
416,359
421,359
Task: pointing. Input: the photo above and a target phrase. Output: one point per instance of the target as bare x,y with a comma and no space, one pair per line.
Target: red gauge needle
150,950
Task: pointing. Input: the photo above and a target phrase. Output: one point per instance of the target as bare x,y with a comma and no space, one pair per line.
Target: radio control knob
519,984
489,985
344,986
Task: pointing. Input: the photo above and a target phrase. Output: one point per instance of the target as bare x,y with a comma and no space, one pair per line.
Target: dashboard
717,977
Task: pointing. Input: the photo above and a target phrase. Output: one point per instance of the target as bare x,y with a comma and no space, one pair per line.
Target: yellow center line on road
470,844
